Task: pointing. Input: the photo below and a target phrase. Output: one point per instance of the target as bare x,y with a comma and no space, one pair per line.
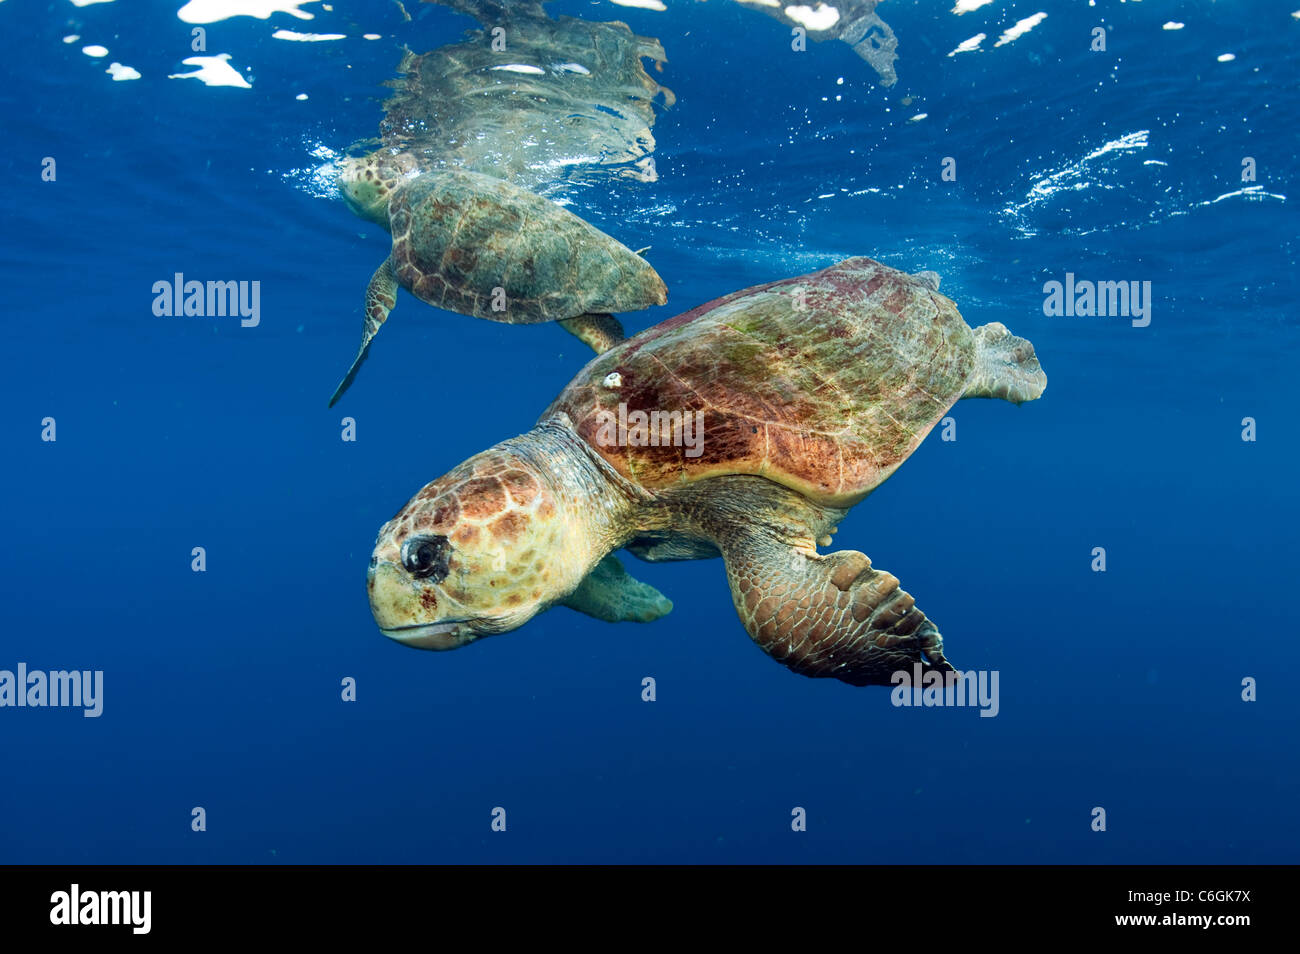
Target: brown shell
481,246
824,383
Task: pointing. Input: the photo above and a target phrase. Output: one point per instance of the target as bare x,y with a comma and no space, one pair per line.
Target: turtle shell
460,236
824,383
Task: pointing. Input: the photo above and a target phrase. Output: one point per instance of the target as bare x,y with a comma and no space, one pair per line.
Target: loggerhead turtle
474,132
478,245
813,391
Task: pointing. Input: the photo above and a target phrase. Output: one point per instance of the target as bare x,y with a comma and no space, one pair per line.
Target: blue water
1120,690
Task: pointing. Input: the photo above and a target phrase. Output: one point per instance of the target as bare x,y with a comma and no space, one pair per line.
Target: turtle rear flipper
597,332
381,296
1006,367
611,594
828,616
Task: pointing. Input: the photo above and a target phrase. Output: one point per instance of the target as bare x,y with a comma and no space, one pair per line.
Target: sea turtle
475,134
478,245
810,392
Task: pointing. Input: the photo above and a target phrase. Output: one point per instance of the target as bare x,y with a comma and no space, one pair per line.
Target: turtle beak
451,634
406,609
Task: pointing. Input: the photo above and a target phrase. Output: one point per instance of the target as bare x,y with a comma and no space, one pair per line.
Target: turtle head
368,182
480,550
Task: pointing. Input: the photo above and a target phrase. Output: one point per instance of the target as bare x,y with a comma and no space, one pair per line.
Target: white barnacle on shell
613,380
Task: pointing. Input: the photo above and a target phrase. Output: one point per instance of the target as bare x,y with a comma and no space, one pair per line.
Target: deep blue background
1119,690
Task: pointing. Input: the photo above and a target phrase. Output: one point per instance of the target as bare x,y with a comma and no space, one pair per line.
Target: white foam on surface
213,11
971,45
1172,25
1078,175
95,50
521,68
213,71
1020,28
306,37
966,6
122,73
822,17
641,4
1253,193
319,180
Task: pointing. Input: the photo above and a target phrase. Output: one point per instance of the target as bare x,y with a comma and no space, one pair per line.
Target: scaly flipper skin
381,297
597,332
1006,366
611,594
830,615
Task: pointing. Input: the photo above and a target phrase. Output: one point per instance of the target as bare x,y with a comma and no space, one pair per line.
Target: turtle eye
426,557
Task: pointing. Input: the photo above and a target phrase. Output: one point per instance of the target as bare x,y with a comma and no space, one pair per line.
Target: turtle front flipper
831,615
597,332
611,594
381,296
1006,367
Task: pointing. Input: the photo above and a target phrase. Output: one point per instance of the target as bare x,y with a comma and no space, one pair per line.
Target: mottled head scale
367,183
475,552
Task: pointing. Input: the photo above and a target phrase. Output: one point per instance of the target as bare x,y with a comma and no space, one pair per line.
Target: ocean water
222,690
